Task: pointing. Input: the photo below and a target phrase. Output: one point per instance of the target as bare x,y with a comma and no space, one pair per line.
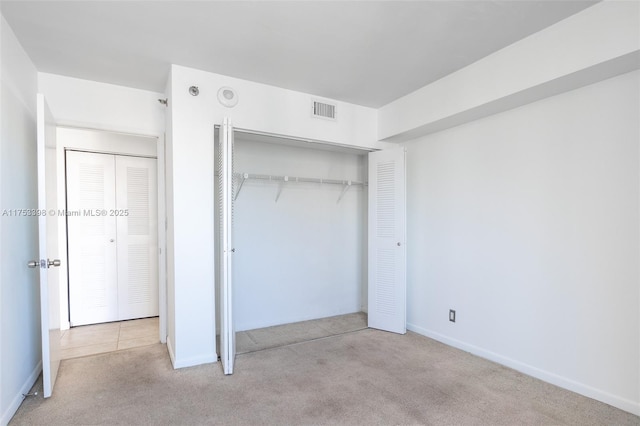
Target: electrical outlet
452,315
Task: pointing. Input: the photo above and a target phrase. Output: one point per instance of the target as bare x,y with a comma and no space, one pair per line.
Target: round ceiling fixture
227,97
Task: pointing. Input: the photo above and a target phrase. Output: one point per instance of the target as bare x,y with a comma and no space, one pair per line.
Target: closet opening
299,240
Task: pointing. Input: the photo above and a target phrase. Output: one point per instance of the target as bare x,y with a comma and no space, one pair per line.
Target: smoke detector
228,97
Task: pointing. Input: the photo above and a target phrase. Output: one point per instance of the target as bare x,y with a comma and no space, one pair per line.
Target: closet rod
282,179
278,178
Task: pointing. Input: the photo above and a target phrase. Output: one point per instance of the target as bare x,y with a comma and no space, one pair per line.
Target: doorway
307,273
299,241
113,143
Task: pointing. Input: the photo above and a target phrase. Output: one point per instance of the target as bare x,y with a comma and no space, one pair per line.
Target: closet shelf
281,180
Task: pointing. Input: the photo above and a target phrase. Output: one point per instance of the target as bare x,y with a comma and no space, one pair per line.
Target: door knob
54,262
33,264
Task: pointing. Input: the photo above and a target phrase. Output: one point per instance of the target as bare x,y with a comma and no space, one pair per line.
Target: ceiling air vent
323,110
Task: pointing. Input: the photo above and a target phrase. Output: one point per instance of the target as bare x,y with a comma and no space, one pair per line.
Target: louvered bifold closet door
387,254
137,229
91,238
226,198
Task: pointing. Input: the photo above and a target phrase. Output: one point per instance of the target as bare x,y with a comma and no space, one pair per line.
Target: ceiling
367,53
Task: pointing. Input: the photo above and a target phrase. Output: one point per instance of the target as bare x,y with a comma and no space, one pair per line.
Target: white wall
20,347
301,257
527,224
190,203
269,109
88,104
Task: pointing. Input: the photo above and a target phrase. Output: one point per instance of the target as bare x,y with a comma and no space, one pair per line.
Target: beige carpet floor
364,377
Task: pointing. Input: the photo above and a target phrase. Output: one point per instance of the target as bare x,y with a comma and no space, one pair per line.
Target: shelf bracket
280,186
244,177
344,191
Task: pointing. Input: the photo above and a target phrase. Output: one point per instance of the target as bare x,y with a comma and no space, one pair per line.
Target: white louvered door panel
137,236
226,197
387,254
91,238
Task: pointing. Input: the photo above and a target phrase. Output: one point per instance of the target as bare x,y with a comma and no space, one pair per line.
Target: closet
112,237
300,242
292,234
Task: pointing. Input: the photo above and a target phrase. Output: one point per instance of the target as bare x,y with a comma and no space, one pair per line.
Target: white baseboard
196,360
563,382
189,362
17,400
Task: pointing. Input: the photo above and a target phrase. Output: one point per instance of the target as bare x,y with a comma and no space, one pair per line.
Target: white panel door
225,193
387,236
48,246
137,236
91,197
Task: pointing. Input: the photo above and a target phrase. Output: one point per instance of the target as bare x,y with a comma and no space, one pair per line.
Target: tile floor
108,337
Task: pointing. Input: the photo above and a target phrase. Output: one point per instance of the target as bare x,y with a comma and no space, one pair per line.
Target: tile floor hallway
108,337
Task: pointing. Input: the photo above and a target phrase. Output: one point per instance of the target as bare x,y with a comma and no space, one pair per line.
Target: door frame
156,149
